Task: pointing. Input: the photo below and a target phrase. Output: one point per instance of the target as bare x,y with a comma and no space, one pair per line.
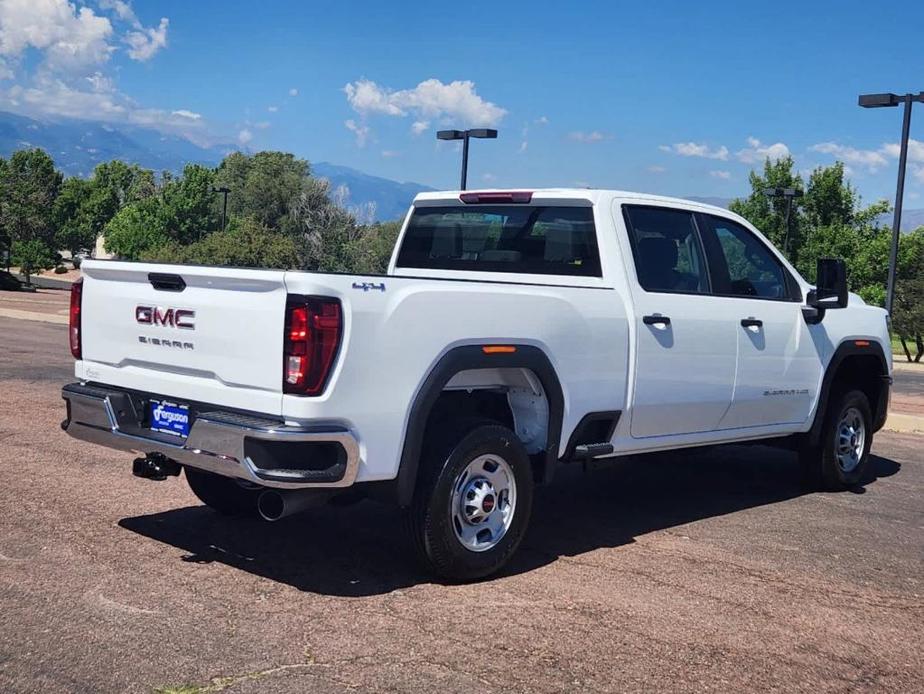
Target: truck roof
594,195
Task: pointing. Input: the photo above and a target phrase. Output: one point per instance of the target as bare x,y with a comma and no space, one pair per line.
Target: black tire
824,464
222,494
433,527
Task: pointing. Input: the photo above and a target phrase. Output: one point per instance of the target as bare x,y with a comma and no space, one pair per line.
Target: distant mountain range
390,198
77,146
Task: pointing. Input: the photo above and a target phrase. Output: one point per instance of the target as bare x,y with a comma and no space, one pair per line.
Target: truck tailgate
204,334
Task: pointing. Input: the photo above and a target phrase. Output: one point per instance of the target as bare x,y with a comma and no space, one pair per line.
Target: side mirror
830,284
830,290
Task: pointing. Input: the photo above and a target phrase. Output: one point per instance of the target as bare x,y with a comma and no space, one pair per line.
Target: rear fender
466,358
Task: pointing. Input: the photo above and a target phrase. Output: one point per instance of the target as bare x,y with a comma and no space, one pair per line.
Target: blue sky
678,98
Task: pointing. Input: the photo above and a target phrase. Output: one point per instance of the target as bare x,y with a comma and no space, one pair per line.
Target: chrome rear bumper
218,440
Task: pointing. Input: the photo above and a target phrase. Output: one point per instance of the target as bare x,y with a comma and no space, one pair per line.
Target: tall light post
464,135
887,101
789,194
224,206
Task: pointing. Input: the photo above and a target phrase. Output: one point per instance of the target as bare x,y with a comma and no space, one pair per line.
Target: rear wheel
225,495
473,500
842,458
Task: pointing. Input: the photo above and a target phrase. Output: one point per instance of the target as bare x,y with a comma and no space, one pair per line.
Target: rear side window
668,255
554,240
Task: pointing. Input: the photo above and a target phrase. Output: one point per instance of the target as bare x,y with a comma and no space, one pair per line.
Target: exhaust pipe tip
275,504
271,506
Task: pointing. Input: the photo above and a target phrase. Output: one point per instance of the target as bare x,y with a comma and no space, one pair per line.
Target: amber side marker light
861,343
498,349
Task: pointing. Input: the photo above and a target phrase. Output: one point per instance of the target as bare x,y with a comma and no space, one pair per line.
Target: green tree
73,228
188,204
33,255
263,186
246,243
136,228
769,214
29,187
114,185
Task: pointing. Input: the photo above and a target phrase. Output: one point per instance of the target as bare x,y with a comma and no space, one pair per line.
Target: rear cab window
528,239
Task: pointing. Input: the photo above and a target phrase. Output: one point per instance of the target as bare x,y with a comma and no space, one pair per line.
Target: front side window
668,257
744,266
545,240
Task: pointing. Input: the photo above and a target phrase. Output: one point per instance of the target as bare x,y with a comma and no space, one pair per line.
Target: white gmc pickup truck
515,331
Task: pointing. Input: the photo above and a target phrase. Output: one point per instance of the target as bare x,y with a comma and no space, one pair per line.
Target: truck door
779,368
685,346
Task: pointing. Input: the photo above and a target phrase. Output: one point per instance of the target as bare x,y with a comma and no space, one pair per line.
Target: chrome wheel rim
851,439
484,500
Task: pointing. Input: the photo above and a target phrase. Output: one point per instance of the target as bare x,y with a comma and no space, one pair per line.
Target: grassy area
899,354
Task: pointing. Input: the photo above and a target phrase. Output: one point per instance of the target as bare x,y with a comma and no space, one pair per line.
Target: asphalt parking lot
695,572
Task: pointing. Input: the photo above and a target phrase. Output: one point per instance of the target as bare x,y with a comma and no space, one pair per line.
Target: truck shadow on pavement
361,550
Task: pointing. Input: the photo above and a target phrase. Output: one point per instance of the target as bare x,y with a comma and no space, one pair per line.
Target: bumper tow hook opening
272,505
155,466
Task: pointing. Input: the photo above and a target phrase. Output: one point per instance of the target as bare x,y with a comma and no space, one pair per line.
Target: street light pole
899,199
885,101
224,206
464,135
789,194
465,140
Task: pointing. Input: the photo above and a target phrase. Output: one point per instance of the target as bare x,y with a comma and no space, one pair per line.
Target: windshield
550,240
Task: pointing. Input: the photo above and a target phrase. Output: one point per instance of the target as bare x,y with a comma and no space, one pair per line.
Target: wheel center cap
488,504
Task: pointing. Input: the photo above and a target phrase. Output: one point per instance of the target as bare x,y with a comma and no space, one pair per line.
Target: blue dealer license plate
169,418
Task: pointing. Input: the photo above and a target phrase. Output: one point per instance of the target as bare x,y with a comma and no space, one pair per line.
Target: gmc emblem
167,317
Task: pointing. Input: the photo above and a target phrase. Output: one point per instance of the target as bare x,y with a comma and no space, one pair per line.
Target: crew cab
514,332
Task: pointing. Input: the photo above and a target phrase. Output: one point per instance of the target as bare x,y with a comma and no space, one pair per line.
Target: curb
34,316
904,423
45,282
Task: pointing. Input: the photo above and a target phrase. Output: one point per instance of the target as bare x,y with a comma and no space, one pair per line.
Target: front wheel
842,460
472,503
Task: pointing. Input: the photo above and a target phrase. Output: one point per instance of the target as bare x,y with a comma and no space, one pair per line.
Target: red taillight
74,331
312,337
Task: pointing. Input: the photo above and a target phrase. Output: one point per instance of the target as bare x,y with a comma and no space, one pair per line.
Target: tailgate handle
166,282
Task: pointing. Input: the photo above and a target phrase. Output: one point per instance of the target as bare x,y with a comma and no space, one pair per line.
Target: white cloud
693,149
272,109
456,102
360,130
143,43
917,172
262,125
524,145
72,44
867,158
71,39
488,177
757,152
389,153
915,150
419,126
244,136
293,92
871,159
654,168
588,137
122,10
724,175
541,120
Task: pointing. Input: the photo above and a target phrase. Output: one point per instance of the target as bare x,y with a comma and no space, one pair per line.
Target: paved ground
683,573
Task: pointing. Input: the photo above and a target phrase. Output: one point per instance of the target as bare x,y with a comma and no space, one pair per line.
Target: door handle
656,319
751,322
